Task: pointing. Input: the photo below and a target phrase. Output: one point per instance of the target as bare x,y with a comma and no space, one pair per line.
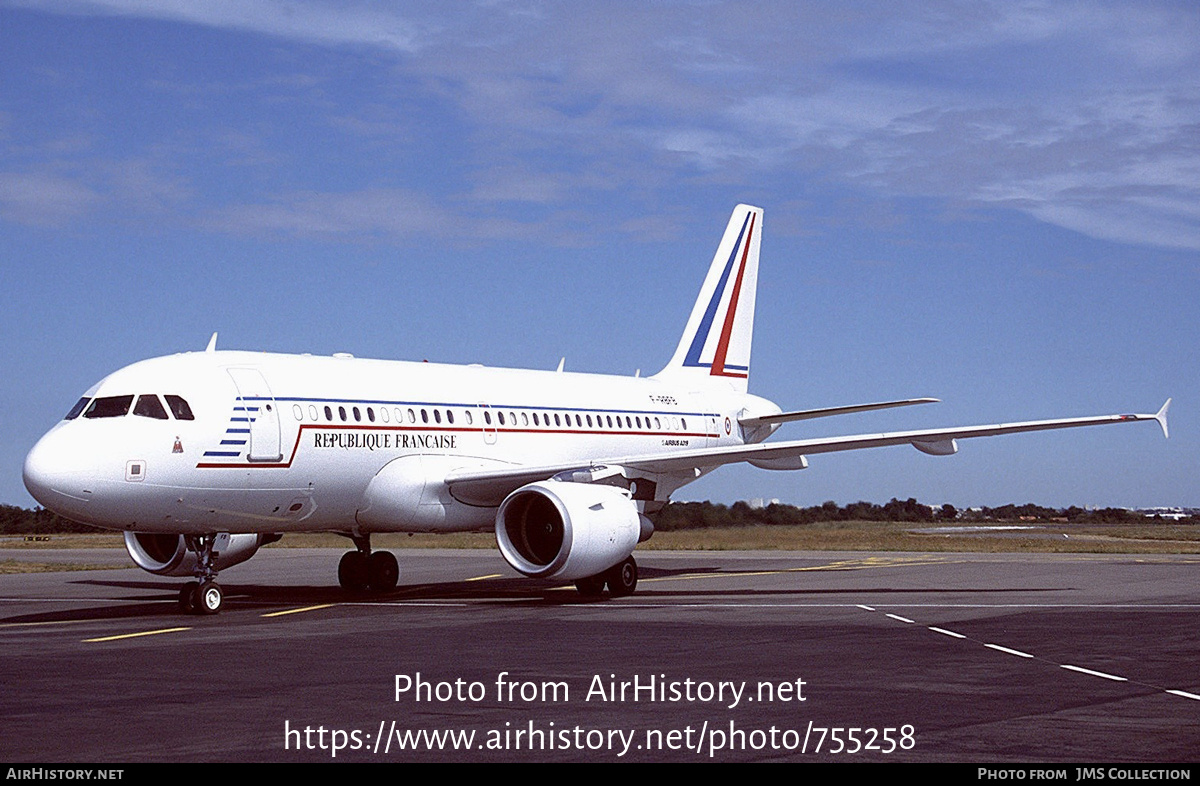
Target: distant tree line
706,515
701,515
22,521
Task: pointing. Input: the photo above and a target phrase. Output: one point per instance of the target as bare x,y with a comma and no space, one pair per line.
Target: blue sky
996,204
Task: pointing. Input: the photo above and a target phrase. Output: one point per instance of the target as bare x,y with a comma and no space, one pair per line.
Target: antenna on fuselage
212,343
561,363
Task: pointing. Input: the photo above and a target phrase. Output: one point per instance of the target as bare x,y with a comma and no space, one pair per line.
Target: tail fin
715,347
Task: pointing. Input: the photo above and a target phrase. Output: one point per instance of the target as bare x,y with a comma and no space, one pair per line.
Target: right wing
490,486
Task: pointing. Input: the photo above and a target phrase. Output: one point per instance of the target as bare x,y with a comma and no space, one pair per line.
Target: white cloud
42,199
385,212
1072,113
319,22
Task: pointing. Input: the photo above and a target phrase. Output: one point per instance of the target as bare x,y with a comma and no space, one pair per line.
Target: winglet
212,343
1161,417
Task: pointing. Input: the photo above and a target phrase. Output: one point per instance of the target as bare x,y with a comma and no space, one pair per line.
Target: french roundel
728,427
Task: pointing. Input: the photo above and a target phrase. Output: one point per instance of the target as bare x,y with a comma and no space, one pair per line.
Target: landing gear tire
187,597
622,578
383,571
591,587
354,571
209,598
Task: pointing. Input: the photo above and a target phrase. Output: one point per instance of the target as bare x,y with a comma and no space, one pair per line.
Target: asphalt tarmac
719,656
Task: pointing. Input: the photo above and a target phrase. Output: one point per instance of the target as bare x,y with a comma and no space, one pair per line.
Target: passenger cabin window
109,407
179,408
148,406
75,410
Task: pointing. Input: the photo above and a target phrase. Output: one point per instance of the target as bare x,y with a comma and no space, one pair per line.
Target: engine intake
167,555
552,529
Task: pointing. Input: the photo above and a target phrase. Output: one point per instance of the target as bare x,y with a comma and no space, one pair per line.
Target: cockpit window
179,408
75,410
148,406
109,407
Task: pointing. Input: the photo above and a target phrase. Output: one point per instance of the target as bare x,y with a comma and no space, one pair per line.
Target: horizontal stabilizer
809,414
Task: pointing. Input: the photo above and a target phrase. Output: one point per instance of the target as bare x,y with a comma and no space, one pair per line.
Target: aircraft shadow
160,600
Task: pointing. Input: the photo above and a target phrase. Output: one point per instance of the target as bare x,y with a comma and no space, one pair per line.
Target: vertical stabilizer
715,347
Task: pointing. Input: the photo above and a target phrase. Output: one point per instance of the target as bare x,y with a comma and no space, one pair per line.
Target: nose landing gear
204,595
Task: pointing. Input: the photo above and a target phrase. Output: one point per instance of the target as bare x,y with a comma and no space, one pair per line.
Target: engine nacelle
167,555
568,531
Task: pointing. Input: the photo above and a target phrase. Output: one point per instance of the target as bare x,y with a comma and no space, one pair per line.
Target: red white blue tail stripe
717,340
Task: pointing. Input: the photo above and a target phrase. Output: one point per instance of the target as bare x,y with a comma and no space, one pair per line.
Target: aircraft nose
53,474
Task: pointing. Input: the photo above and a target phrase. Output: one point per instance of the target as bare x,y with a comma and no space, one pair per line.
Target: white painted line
865,608
1185,694
947,632
1010,652
901,619
1101,674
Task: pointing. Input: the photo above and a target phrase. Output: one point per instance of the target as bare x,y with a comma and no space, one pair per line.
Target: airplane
202,458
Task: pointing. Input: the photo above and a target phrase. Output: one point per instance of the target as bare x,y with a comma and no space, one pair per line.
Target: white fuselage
286,443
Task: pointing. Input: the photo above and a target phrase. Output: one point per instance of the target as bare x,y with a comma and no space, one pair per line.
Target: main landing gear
368,571
621,579
204,595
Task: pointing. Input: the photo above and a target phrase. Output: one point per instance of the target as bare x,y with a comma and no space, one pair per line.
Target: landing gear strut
364,570
204,595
